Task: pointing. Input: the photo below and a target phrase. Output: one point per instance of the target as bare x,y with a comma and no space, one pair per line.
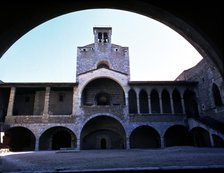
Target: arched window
103,64
132,100
166,102
154,97
216,95
190,103
177,102
143,100
99,37
102,99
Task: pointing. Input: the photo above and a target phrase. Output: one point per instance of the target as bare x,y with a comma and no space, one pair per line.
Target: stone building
103,109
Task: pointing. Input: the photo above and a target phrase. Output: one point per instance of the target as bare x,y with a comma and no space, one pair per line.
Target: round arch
144,137
56,138
200,137
19,139
177,135
102,132
103,91
199,33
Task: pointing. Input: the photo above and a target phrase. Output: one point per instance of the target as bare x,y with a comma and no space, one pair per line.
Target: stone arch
200,137
177,135
177,105
56,138
102,132
154,98
132,101
144,137
143,101
190,103
19,139
216,95
166,101
218,141
110,88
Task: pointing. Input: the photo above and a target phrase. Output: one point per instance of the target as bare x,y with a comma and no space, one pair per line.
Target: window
103,64
60,98
102,99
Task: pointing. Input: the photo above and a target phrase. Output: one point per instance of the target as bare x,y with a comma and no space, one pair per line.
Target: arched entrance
144,137
200,137
103,132
19,139
56,138
177,135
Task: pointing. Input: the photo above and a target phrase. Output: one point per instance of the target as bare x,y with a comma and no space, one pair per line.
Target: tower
102,54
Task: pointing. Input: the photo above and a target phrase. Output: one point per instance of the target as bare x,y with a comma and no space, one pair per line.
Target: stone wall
207,76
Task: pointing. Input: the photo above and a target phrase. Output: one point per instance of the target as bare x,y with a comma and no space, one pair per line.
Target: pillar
127,143
182,103
46,103
149,102
78,144
160,103
74,100
171,104
37,144
211,140
138,103
11,101
162,142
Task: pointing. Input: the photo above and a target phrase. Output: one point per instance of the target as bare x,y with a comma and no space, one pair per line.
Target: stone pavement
171,158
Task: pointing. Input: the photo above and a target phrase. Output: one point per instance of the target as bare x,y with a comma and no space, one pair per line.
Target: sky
48,52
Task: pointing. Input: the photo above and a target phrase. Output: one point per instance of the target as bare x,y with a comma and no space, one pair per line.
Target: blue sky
48,52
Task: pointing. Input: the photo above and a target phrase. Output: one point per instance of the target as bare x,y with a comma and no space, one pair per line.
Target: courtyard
167,159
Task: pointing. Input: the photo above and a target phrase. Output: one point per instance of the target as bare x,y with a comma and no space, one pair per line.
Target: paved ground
172,158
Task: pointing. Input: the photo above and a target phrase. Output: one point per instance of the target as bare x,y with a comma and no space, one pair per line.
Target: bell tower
102,35
102,54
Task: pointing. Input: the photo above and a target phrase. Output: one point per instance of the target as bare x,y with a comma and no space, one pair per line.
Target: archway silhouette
200,33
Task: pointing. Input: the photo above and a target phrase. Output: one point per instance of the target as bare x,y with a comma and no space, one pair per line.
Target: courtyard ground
171,158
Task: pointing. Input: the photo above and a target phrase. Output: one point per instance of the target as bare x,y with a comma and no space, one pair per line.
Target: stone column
162,142
126,107
127,143
78,143
74,100
160,103
149,104
11,101
211,139
182,103
138,102
171,104
37,144
46,104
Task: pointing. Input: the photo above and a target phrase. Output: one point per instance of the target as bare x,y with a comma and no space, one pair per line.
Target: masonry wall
60,102
206,76
90,56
